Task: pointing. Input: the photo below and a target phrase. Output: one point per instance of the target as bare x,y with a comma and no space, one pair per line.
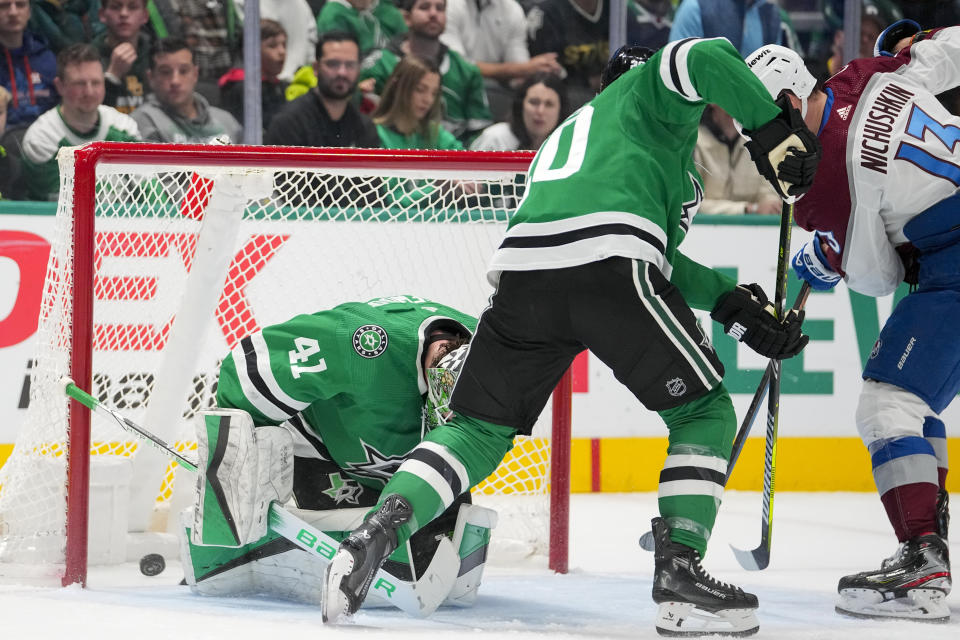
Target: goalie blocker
227,550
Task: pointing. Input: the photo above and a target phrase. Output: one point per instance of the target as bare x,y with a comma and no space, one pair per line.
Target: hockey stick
646,540
759,558
420,598
761,391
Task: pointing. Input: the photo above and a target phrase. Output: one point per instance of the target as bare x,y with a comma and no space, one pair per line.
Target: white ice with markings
818,537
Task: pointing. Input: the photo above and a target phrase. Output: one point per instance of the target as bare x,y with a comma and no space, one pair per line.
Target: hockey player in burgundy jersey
883,206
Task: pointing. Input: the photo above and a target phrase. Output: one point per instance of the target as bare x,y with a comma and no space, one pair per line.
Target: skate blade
334,605
923,605
684,619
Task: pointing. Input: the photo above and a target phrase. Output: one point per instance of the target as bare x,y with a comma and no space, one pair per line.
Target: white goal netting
193,251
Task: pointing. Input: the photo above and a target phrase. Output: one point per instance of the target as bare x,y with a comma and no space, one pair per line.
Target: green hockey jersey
49,133
353,374
373,27
617,177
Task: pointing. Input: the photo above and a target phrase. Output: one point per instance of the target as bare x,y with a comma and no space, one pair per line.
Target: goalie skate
692,602
913,584
349,575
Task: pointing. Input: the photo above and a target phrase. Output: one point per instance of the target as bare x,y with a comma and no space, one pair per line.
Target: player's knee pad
242,469
471,539
885,412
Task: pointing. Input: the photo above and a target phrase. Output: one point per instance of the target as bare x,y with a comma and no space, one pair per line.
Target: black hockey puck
152,564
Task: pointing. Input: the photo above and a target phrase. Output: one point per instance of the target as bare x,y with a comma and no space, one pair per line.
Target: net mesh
186,263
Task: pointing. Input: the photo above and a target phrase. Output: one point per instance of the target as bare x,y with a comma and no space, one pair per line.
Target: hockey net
165,256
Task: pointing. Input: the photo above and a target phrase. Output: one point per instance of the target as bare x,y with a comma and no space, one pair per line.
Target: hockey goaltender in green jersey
323,407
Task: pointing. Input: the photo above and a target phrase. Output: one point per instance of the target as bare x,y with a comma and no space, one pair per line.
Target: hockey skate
912,584
692,602
943,513
349,574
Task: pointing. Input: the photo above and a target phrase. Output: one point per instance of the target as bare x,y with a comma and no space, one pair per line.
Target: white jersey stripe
673,69
588,220
255,398
691,460
263,367
450,459
689,488
429,475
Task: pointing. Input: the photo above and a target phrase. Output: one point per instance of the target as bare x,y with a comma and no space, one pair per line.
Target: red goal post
110,191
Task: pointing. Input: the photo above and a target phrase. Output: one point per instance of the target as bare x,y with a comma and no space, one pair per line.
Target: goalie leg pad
471,538
271,566
242,470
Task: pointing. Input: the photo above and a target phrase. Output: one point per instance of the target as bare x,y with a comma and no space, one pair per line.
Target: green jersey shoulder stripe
252,360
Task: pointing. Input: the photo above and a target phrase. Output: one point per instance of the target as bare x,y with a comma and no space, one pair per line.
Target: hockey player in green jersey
348,384
591,260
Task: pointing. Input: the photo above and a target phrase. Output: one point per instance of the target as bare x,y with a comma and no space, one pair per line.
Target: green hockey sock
694,473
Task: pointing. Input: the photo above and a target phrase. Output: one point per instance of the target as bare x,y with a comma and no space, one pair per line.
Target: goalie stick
420,598
759,558
646,540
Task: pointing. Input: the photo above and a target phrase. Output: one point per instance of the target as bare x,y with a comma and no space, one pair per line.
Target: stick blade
756,560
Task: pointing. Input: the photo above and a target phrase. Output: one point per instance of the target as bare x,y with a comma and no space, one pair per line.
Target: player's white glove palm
786,152
810,264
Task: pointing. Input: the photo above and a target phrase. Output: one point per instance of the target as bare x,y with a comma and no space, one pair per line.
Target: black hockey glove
785,151
747,316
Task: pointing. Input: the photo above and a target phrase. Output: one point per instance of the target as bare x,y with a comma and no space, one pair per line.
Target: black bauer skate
913,584
692,602
349,574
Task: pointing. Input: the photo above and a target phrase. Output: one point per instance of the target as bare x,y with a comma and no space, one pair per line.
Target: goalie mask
440,382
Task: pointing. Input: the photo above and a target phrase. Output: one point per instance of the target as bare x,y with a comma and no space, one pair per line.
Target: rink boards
618,446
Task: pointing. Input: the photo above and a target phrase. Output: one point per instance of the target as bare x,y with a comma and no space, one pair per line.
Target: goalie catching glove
785,151
748,317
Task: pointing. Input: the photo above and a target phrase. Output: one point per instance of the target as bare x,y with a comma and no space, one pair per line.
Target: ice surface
817,538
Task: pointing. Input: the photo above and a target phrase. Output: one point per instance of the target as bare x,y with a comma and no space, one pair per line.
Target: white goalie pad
294,575
471,539
242,469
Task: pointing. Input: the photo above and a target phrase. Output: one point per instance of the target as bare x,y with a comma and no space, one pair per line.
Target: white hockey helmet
779,69
440,382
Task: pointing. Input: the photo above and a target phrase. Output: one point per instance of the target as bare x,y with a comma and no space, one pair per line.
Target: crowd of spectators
444,74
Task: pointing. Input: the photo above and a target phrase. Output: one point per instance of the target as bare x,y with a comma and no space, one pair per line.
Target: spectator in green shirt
465,107
374,22
408,117
81,117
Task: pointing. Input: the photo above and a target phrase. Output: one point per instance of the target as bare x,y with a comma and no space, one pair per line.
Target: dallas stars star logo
377,466
342,490
691,207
